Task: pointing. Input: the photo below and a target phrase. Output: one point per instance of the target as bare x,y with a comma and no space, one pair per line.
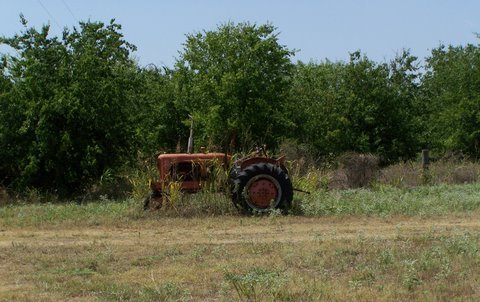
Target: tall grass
397,190
386,200
411,174
91,213
379,201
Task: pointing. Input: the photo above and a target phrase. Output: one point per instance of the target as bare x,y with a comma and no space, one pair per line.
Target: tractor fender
257,160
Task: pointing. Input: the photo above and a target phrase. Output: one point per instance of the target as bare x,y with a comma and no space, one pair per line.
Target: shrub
360,169
68,120
300,156
402,175
465,174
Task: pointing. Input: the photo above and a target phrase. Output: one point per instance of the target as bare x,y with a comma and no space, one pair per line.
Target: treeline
76,106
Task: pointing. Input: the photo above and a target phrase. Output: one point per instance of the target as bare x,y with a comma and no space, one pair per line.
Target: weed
445,269
274,214
361,278
255,285
411,278
167,291
385,259
198,252
221,252
463,245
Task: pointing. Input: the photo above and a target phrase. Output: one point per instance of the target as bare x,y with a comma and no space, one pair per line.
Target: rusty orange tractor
257,183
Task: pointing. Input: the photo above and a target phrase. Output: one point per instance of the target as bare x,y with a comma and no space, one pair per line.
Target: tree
7,151
158,122
67,118
235,82
452,99
357,106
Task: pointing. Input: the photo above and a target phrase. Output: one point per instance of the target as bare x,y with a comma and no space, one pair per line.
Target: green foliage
234,81
77,108
67,118
6,139
357,106
452,99
158,122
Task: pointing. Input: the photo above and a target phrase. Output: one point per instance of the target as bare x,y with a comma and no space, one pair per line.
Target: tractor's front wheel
262,187
154,201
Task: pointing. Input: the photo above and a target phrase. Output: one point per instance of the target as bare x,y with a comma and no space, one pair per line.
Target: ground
245,258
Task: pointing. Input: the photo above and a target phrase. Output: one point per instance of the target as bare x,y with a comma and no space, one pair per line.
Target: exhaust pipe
190,138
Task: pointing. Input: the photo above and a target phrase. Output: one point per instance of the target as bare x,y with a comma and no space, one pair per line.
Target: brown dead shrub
338,180
300,155
465,174
402,175
411,174
360,170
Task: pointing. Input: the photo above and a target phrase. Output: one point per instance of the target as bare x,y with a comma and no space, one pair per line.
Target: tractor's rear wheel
262,187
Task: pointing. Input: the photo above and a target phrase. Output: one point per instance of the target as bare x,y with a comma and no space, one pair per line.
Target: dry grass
362,171
395,241
407,175
246,259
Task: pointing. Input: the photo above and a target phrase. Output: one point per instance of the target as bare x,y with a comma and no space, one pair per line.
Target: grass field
384,244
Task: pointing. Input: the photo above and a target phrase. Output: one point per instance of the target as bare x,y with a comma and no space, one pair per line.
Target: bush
359,169
68,119
299,155
465,174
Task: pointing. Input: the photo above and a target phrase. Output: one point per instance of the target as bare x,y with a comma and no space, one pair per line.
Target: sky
318,30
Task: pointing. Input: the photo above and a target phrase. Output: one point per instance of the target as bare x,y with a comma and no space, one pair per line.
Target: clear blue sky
318,29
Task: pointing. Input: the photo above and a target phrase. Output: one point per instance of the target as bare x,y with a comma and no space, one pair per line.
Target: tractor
257,183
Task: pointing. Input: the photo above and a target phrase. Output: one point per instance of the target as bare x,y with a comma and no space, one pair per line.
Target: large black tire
261,188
